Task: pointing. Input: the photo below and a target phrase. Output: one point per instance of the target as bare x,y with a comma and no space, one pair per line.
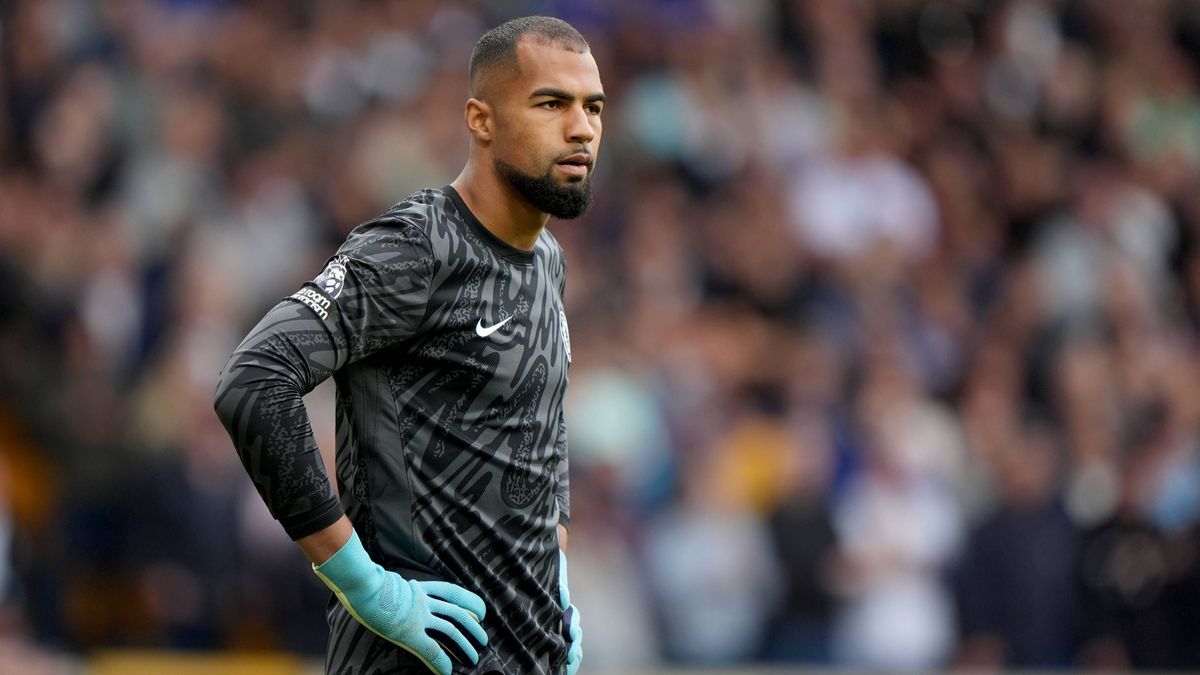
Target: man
441,322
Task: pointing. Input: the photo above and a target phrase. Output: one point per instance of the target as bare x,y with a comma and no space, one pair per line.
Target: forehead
545,65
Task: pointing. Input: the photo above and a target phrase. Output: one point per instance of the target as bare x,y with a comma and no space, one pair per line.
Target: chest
497,330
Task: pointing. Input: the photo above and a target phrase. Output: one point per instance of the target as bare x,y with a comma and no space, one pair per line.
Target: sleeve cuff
313,520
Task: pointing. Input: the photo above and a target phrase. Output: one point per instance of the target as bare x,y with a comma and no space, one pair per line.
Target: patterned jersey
449,349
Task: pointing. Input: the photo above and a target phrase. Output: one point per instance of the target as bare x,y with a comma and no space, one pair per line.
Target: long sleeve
562,490
370,296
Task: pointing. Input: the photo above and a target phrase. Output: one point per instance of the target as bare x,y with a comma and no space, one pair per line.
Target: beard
547,195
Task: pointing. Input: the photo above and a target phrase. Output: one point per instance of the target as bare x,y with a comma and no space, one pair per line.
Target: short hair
498,46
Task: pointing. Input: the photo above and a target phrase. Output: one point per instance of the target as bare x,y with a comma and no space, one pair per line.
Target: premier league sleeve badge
333,277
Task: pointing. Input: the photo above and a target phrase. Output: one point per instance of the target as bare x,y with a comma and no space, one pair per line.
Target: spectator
1018,580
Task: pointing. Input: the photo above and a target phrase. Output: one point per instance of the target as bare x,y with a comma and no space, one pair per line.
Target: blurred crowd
885,318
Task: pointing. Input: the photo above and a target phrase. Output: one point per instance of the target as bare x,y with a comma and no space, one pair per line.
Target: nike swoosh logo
481,331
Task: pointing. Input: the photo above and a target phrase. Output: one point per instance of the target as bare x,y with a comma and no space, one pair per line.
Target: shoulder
400,233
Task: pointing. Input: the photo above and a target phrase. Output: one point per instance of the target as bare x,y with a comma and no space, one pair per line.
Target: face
547,128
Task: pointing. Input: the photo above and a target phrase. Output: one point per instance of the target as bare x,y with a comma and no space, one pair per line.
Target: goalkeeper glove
571,630
401,611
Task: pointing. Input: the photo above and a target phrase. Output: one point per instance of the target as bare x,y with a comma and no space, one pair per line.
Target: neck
499,207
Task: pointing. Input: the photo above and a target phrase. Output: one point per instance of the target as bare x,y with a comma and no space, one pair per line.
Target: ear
481,120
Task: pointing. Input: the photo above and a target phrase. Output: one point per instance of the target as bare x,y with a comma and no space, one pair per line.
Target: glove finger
574,624
457,595
574,658
432,654
461,617
446,628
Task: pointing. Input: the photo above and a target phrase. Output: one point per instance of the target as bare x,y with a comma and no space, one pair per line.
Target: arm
571,627
370,298
259,400
562,486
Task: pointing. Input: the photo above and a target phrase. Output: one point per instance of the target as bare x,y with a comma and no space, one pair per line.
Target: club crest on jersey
333,277
566,334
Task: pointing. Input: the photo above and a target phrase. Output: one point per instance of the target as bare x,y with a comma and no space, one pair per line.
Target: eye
594,108
552,104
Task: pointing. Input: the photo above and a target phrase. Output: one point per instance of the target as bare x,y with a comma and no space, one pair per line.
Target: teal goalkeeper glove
401,611
571,630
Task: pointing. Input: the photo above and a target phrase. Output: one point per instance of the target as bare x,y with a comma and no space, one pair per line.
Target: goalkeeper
441,322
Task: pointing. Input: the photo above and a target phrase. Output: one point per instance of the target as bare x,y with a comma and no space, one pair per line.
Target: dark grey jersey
450,351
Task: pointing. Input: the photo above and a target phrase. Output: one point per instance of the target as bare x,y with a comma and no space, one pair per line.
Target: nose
579,126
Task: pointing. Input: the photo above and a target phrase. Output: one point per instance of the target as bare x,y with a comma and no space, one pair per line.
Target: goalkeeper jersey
450,350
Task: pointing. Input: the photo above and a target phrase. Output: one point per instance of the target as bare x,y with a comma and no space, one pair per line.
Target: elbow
249,377
242,379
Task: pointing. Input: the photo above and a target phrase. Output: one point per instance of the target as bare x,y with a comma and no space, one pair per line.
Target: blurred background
885,321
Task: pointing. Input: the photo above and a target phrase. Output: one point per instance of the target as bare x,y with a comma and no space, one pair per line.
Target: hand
571,630
402,611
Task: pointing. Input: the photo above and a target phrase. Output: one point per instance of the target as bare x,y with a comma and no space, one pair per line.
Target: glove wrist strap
350,569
